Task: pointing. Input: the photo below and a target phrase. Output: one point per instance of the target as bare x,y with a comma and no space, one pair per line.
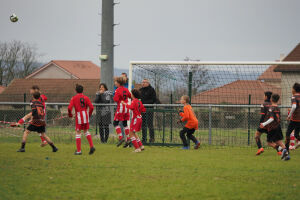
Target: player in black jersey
37,123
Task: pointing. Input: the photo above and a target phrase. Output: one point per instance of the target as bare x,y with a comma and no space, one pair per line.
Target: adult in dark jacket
148,96
103,113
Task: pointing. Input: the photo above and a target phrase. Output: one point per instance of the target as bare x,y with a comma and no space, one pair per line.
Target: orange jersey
189,116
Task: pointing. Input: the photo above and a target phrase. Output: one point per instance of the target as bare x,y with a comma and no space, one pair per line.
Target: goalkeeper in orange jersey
191,126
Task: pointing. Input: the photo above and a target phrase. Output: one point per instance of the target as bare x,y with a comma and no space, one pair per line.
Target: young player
293,117
37,123
81,102
43,100
137,108
264,109
273,125
122,113
191,125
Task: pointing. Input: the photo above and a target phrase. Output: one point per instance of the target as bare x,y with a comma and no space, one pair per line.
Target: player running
37,123
264,109
137,108
43,100
122,113
274,136
81,102
294,118
191,125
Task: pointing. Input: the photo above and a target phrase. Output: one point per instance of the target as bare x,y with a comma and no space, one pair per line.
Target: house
67,69
237,92
289,75
2,88
271,77
57,90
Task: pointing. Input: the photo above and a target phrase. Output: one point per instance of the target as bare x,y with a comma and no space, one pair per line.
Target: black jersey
38,113
264,110
296,114
274,113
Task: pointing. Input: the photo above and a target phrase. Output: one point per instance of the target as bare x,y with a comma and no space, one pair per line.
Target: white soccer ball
13,18
279,148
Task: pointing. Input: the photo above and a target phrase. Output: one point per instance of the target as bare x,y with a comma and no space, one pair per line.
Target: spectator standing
103,114
148,96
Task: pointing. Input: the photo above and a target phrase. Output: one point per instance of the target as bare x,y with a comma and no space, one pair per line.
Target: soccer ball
13,18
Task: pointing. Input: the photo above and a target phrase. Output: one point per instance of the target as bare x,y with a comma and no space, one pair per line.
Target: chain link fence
219,125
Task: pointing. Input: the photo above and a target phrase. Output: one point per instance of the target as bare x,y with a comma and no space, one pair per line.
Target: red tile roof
294,55
80,69
270,75
236,92
57,90
2,88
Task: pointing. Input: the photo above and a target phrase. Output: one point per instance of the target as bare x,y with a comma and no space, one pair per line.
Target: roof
57,90
2,88
80,69
236,92
294,55
270,75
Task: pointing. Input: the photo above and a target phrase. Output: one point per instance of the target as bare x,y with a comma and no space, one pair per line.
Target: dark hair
79,88
186,98
275,98
36,95
136,93
104,85
268,94
124,74
120,80
35,87
296,87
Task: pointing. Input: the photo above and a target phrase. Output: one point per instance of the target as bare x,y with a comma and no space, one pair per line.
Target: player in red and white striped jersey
122,113
81,103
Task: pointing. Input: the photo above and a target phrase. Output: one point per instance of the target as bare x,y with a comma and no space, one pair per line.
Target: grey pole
107,43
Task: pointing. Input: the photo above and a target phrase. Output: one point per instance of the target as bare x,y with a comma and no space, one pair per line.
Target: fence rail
219,125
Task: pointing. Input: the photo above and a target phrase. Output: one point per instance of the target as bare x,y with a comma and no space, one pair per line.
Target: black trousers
103,132
292,126
189,134
147,123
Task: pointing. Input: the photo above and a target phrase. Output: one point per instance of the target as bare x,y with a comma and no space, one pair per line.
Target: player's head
275,98
119,81
268,95
135,94
296,88
124,75
103,87
145,83
185,99
34,88
79,88
36,95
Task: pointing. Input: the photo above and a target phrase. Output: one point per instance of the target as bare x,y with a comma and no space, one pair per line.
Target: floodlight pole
107,43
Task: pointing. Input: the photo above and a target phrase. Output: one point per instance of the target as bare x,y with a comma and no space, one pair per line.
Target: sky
156,30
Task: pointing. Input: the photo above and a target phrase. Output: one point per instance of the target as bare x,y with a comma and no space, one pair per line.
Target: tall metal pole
107,43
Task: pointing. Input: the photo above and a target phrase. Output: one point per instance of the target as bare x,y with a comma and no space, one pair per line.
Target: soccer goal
226,96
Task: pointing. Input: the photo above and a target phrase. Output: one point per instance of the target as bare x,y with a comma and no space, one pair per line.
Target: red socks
126,129
42,138
139,142
89,138
78,143
134,142
119,132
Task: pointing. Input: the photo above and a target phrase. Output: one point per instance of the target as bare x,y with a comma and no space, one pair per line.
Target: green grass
157,173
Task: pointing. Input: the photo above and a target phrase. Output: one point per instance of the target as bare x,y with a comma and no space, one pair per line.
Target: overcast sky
209,30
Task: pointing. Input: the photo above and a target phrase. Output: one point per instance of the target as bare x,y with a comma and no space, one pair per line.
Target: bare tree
17,60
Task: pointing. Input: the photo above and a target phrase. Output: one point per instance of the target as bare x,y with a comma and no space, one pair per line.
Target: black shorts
275,135
291,127
39,129
262,130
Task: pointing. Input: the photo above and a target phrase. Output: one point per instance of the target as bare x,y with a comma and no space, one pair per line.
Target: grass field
157,173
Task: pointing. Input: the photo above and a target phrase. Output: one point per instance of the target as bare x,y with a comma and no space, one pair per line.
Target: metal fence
219,125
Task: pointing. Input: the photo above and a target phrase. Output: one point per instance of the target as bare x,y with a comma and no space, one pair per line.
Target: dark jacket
103,113
148,95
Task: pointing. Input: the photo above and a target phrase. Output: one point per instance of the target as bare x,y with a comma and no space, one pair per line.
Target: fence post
209,125
190,83
24,108
164,124
249,120
171,116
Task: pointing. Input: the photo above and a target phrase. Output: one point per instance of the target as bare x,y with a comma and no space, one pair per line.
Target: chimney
282,56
